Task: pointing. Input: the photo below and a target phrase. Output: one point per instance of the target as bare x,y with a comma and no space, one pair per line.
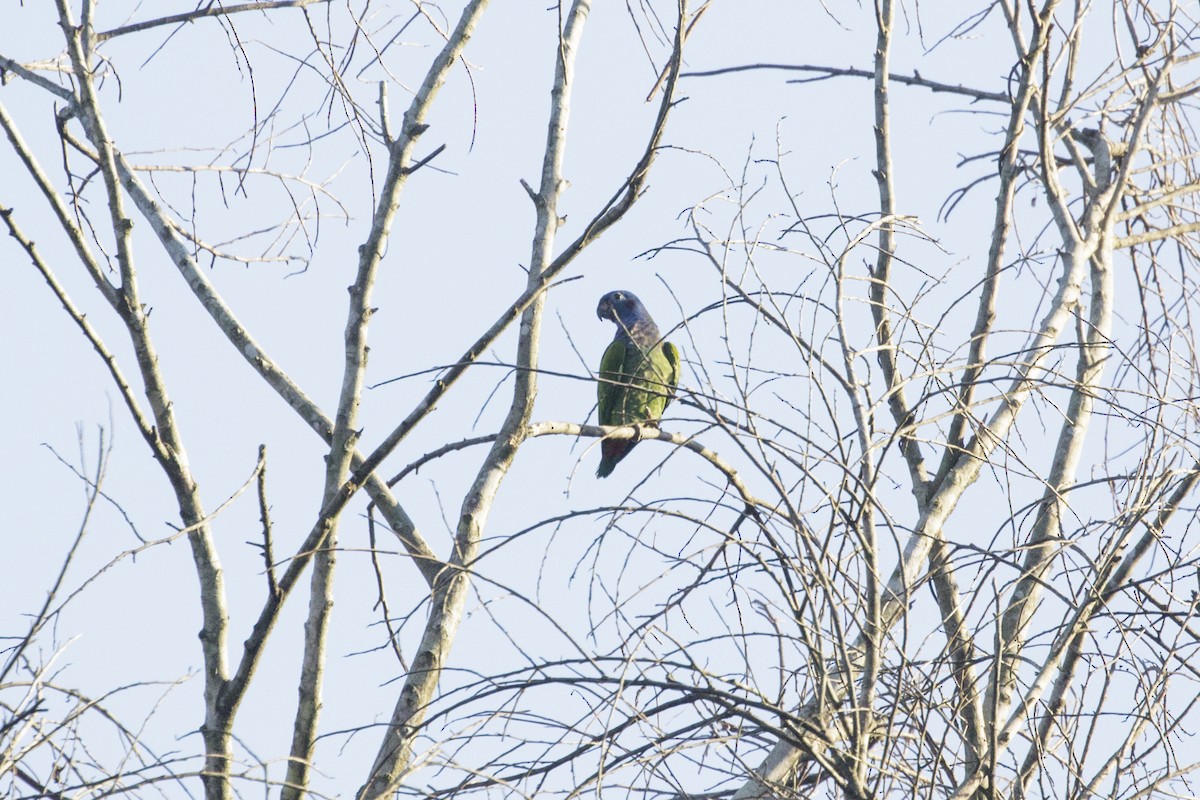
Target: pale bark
450,591
216,729
962,463
344,437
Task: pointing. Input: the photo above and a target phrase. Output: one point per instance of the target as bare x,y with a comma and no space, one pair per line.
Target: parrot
638,374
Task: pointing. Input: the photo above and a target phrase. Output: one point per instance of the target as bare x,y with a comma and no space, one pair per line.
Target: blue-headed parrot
638,374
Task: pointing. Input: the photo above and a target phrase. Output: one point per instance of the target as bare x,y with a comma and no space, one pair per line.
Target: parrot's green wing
634,388
670,373
609,393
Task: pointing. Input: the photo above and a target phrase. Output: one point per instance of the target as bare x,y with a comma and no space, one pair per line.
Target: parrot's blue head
632,319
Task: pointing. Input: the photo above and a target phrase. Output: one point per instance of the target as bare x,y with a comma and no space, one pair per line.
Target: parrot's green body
638,374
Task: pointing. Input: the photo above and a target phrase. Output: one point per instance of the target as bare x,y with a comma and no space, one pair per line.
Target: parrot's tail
611,452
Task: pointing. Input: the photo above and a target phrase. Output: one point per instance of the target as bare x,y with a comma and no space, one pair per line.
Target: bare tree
920,522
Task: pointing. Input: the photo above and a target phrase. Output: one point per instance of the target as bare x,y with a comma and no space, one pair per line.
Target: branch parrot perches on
638,374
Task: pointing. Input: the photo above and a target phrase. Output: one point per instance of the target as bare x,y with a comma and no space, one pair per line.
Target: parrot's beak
604,310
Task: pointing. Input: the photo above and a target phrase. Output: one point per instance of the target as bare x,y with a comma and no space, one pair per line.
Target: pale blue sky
453,263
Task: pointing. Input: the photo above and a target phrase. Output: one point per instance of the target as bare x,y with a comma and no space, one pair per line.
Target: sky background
454,262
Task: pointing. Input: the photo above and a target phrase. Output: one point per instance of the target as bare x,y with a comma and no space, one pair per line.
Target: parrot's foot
641,430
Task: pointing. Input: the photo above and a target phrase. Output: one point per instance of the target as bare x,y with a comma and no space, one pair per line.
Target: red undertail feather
612,451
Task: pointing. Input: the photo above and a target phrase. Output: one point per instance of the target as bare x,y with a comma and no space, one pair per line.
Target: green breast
636,386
